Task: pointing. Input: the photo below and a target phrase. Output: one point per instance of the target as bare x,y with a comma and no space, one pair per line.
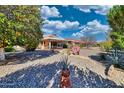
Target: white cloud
99,9
47,31
59,25
47,12
92,28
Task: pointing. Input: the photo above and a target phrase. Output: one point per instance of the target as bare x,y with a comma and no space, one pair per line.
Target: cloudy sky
76,21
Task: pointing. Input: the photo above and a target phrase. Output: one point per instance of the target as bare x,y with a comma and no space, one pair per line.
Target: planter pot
65,79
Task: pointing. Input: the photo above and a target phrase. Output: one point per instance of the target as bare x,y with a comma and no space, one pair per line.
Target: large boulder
19,48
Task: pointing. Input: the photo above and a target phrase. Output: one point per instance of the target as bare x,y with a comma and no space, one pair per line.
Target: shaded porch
53,44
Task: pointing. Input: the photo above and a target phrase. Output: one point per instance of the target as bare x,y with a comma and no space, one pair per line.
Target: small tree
116,22
88,40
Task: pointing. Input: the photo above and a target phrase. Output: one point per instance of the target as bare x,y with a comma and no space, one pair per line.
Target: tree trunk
2,55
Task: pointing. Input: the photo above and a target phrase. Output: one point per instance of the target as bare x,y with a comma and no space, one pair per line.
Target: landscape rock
19,48
110,72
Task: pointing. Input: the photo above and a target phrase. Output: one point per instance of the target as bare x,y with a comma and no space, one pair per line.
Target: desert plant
65,74
117,58
65,62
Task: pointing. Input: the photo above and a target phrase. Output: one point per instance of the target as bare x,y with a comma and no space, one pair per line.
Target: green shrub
106,46
31,45
82,45
31,41
65,46
9,49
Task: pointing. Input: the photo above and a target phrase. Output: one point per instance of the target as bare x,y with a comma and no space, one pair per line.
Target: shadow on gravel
43,75
19,58
99,59
95,57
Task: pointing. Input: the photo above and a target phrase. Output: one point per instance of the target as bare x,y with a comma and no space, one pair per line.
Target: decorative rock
110,71
19,48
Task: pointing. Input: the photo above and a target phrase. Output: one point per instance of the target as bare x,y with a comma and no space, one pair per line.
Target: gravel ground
45,72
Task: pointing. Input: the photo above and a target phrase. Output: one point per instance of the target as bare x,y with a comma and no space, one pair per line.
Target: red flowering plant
65,74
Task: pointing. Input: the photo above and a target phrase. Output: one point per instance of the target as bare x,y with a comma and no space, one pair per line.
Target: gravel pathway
45,72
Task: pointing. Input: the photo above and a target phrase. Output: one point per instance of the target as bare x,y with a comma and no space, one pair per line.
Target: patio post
49,44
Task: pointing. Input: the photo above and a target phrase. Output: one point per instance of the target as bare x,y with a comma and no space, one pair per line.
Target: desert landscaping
45,47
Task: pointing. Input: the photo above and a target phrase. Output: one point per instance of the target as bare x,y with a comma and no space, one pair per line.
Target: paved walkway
45,72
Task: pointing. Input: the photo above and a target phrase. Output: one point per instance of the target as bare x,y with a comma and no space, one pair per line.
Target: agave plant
117,58
65,62
65,74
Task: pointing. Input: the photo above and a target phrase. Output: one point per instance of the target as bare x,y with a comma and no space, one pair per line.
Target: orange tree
20,25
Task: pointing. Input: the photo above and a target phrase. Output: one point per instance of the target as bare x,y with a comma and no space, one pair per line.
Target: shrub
31,43
82,45
9,49
65,46
106,46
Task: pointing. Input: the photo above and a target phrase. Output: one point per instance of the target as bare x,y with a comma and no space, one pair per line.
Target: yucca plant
117,58
65,62
65,74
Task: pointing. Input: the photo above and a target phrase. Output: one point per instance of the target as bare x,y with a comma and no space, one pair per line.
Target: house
73,42
56,42
52,42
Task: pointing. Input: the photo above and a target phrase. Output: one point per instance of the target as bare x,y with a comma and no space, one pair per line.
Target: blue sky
76,21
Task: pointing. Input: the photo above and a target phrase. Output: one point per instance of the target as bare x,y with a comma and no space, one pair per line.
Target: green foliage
117,58
65,46
9,49
106,45
20,26
82,45
116,21
6,34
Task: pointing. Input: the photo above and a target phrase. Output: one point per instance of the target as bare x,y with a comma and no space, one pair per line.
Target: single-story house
56,42
52,42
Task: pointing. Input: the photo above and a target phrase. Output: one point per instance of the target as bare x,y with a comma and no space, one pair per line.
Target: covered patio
52,42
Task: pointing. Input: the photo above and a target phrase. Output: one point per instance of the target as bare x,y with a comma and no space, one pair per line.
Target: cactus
117,58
